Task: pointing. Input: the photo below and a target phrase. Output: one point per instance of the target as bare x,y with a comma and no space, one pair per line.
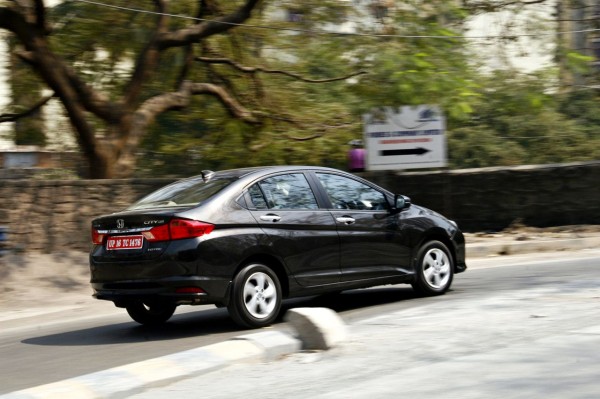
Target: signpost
405,138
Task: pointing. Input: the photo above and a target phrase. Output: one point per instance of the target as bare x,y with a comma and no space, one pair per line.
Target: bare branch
92,100
53,71
16,23
205,8
181,99
260,146
195,33
154,106
231,104
147,59
46,63
35,107
494,6
314,136
40,17
25,56
252,70
208,7
323,128
188,55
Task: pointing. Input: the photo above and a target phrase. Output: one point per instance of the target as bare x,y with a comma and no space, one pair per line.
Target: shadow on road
216,322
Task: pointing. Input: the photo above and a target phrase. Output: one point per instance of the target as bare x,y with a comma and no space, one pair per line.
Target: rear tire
255,297
434,270
150,313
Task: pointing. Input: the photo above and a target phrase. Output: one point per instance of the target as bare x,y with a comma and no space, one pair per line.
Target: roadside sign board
405,138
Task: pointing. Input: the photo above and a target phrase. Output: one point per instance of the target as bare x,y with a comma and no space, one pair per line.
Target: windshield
189,192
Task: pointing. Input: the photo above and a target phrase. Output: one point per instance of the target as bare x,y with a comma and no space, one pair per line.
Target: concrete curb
124,381
480,250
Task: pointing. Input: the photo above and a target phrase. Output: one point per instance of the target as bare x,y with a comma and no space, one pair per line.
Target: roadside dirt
35,280
520,232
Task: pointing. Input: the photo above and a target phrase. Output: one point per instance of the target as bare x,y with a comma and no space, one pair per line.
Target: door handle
345,220
270,218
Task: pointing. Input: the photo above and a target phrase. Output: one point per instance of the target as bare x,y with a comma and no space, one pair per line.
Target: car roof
242,172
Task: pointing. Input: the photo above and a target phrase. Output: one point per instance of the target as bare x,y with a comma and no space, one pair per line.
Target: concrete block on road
317,328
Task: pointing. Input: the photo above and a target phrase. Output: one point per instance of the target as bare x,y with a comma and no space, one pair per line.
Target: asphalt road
94,336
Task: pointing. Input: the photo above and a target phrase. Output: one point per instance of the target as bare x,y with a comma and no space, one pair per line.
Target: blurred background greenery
307,72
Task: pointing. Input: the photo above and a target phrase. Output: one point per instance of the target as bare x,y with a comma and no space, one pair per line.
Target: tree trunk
99,166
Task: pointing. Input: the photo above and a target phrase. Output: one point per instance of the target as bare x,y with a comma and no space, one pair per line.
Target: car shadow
215,324
359,299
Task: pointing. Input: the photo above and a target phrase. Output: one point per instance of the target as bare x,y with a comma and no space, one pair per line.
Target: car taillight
97,238
184,228
178,229
158,233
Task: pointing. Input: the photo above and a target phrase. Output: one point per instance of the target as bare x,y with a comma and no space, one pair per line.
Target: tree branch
91,100
204,8
16,116
492,6
47,64
54,72
314,136
148,58
208,7
16,23
231,104
40,16
194,33
188,58
252,70
156,105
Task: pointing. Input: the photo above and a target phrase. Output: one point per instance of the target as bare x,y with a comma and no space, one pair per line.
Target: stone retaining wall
493,198
55,215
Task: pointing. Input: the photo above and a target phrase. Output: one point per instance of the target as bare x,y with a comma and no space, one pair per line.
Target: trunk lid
129,236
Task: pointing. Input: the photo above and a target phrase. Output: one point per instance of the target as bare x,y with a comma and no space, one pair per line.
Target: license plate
125,242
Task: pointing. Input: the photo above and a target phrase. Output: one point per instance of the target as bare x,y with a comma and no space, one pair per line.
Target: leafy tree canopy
239,83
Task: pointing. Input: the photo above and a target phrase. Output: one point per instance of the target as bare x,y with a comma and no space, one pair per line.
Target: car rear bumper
182,290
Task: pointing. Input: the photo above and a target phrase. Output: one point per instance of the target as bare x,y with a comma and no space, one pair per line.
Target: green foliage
475,147
505,118
518,122
305,123
577,62
410,71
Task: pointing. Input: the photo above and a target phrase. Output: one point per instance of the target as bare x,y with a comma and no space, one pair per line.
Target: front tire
150,313
255,297
434,270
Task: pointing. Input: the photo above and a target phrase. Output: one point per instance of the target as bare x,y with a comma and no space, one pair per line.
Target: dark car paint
306,241
308,249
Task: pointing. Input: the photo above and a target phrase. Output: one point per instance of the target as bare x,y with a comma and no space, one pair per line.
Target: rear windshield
188,192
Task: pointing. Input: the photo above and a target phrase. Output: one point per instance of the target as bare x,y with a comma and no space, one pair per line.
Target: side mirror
401,202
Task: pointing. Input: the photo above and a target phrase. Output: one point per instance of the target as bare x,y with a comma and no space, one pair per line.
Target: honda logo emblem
120,223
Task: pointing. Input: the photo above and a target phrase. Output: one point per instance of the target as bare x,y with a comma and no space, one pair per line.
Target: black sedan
248,238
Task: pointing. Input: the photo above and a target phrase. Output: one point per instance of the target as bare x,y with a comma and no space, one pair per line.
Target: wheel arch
441,236
274,264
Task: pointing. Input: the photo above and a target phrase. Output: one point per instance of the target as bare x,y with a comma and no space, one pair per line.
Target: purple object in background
356,159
